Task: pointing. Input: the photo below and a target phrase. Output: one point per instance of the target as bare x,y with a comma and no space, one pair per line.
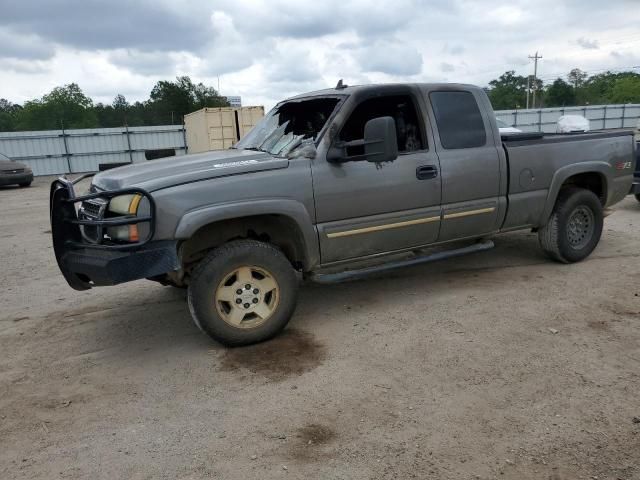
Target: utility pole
535,58
528,89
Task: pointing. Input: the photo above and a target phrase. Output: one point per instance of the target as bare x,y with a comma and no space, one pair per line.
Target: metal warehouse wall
53,152
600,116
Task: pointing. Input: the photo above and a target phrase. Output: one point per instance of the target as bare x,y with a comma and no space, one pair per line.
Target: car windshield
291,128
4,157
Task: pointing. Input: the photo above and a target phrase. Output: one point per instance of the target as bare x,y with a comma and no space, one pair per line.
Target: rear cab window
458,119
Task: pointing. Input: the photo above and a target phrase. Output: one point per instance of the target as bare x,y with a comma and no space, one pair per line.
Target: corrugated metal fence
545,119
53,152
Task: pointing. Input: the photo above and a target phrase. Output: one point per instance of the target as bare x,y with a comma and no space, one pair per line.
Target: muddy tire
574,228
243,292
26,184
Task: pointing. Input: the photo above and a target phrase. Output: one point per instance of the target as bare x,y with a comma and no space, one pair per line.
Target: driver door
364,208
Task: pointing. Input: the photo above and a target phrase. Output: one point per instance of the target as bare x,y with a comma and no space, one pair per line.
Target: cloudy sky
267,50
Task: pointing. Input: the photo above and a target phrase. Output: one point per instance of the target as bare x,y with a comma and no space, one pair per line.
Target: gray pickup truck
330,185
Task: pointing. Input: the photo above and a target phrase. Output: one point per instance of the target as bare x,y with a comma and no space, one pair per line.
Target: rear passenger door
470,164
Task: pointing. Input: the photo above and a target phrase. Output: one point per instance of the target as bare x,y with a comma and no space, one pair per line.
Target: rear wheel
575,226
243,292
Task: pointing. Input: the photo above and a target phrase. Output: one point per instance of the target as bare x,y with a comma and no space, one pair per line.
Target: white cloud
447,67
588,44
390,57
265,51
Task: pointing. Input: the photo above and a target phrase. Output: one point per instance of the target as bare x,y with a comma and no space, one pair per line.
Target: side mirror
380,140
379,144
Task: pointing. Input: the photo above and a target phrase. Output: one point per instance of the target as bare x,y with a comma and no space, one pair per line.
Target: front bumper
92,268
15,178
86,264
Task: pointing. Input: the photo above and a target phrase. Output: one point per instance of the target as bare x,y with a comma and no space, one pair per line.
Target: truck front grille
92,210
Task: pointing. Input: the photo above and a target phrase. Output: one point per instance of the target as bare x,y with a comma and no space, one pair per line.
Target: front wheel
243,292
575,226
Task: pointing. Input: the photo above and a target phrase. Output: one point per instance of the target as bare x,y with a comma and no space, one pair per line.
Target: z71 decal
623,165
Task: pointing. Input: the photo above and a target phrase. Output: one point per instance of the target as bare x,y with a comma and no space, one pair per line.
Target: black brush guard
85,264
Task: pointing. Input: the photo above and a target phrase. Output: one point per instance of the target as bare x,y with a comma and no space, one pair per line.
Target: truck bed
538,163
530,138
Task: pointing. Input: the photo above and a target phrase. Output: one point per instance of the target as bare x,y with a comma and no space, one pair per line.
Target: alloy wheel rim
580,227
247,297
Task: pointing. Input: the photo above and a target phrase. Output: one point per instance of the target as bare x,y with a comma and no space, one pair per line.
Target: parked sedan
14,173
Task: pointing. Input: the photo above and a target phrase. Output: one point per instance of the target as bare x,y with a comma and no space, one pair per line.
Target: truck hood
157,174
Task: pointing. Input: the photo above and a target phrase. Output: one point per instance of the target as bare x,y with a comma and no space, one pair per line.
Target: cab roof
351,89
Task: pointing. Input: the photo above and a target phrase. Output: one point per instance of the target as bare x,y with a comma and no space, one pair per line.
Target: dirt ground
496,365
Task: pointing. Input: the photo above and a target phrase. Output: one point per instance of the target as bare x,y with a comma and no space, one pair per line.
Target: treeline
510,90
68,107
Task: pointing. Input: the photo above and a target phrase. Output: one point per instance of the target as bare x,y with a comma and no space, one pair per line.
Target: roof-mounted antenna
341,85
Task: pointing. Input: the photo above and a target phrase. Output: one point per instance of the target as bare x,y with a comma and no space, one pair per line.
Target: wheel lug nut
255,300
246,305
238,301
256,291
239,291
247,286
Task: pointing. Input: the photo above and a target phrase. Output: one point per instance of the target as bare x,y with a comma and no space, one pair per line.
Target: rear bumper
89,267
15,178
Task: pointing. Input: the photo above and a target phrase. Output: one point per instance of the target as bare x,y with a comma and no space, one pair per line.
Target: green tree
8,113
626,90
599,89
510,91
576,78
559,94
65,106
114,115
120,102
170,101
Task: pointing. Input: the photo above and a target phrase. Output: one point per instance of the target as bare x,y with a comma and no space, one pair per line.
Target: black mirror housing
379,144
380,140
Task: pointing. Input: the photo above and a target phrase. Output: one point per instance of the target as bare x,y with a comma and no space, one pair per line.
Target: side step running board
363,272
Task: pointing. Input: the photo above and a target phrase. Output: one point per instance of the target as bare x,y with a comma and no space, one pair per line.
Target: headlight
124,205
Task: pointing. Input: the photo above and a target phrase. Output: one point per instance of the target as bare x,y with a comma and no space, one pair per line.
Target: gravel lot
497,365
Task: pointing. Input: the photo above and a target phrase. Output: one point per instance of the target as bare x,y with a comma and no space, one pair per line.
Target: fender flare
601,168
193,220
